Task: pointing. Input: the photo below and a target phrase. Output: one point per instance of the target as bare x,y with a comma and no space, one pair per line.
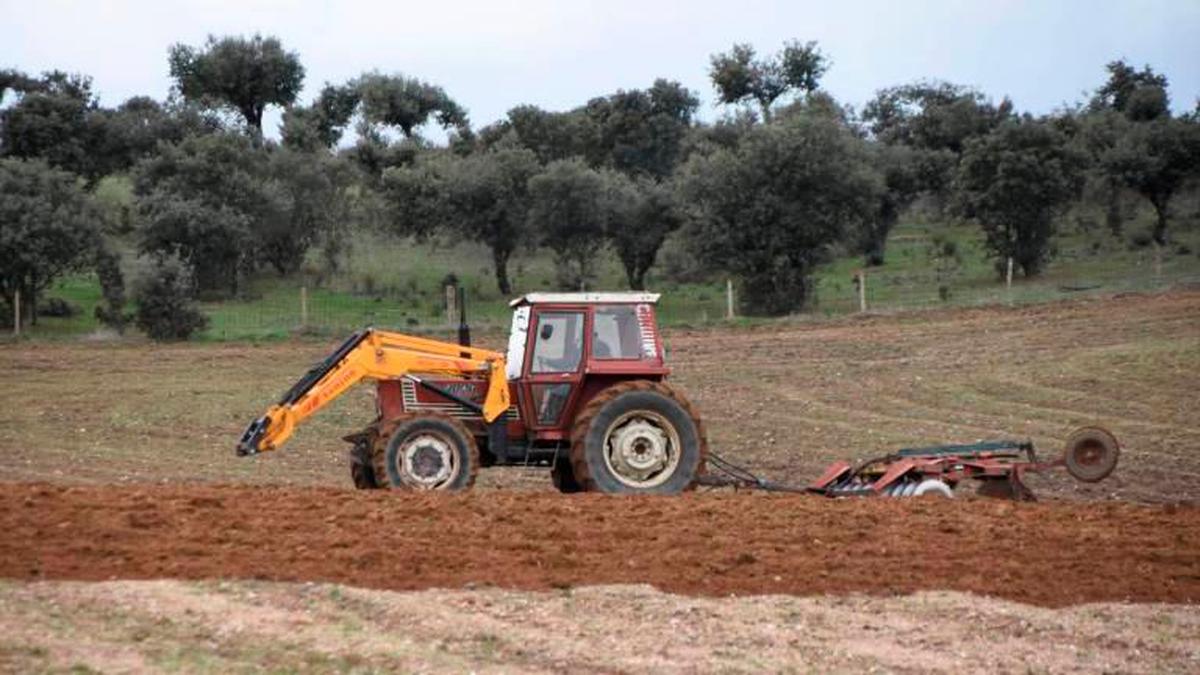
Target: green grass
399,284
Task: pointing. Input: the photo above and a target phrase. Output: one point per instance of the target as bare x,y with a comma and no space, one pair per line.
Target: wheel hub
638,450
428,460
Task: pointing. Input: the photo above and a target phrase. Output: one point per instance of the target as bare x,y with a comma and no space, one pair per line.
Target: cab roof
584,298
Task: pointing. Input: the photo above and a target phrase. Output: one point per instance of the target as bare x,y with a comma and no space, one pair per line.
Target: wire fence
912,280
299,309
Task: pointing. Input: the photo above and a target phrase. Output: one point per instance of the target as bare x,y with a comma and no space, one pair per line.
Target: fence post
17,313
451,302
304,308
861,277
729,298
1008,279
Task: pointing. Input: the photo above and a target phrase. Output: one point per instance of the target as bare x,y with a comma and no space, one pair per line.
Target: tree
933,115
50,120
112,288
165,310
245,74
902,183
201,199
48,228
1155,159
488,195
122,136
641,132
407,103
550,135
309,200
738,76
1139,95
569,215
417,195
768,209
320,126
937,119
641,214
1013,182
17,81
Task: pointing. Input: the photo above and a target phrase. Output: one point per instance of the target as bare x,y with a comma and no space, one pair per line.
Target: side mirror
546,331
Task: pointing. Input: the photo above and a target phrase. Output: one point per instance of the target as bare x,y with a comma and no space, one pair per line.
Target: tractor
581,389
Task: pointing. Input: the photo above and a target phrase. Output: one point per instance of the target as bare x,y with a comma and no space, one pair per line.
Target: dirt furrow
1050,554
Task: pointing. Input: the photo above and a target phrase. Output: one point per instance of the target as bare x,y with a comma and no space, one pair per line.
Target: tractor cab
565,347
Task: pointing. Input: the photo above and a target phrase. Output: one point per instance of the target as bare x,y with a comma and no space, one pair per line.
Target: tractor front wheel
430,452
638,437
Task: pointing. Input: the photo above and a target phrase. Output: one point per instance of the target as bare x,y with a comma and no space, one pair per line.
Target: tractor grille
413,404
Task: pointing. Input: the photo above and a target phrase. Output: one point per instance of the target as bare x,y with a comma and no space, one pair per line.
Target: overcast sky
491,56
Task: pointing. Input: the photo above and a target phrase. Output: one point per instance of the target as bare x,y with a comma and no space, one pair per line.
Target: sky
491,56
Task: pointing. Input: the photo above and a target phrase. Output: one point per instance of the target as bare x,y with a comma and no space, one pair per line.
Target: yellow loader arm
376,355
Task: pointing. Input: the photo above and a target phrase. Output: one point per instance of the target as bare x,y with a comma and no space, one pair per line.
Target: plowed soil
1049,554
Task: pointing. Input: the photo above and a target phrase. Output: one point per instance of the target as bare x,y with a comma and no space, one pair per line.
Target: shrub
57,307
165,310
112,285
1139,240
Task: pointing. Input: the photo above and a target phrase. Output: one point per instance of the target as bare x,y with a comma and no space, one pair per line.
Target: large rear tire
429,452
638,437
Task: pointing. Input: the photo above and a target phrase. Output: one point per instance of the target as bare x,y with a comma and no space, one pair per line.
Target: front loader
581,390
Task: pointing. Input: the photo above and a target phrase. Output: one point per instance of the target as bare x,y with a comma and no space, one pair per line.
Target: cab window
558,344
615,333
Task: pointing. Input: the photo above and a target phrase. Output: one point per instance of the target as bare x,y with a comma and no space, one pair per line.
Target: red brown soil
1050,554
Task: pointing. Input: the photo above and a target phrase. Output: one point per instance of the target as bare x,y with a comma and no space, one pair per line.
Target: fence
912,279
320,311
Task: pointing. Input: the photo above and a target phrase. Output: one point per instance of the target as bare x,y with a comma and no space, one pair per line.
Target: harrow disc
1090,454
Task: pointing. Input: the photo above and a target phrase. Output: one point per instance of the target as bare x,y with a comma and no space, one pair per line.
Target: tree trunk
631,274
1160,224
766,111
637,279
1112,215
500,261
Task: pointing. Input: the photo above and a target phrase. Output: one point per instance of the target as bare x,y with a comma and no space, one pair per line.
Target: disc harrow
1090,454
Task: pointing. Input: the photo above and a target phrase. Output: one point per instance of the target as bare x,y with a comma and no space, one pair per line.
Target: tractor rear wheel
430,452
638,437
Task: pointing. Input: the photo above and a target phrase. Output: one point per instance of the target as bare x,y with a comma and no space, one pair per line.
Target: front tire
638,437
431,452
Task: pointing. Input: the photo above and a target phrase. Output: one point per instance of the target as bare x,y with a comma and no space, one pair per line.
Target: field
118,468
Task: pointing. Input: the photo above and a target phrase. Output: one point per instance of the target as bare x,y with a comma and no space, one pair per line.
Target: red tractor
582,389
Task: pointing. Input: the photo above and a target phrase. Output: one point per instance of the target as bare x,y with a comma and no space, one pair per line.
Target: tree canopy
738,76
1014,181
768,209
245,74
569,212
48,228
407,103
1155,159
